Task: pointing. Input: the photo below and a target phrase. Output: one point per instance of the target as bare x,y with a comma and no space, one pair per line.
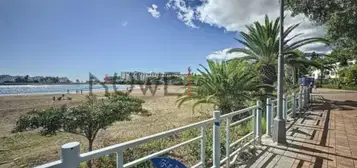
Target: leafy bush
330,86
349,87
50,120
341,87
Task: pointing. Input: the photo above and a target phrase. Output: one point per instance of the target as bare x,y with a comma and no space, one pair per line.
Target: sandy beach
30,148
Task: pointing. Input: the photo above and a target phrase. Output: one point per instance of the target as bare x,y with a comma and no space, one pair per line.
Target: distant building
143,75
35,79
63,80
330,74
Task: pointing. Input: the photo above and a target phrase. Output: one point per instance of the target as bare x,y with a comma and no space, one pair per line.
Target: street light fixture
279,123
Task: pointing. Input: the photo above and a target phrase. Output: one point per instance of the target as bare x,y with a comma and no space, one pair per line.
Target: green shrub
342,87
263,123
349,87
330,86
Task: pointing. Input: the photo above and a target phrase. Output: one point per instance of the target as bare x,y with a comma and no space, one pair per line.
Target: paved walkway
325,137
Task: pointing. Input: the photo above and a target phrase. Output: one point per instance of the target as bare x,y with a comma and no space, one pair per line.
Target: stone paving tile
285,162
320,139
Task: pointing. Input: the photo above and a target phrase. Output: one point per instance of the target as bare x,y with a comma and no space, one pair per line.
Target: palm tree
339,56
261,44
226,85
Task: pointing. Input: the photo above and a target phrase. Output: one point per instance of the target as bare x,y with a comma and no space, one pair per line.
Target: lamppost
279,123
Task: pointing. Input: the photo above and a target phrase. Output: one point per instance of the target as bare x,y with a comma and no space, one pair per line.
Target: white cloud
234,15
153,11
222,55
184,12
125,23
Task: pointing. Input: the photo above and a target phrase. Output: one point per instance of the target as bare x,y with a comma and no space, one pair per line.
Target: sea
54,89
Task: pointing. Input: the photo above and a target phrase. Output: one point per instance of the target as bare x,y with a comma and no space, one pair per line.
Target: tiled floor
325,137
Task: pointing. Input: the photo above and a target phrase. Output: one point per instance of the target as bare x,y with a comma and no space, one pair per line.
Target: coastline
55,93
72,91
14,105
30,148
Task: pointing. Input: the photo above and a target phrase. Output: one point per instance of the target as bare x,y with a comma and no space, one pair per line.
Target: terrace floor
324,137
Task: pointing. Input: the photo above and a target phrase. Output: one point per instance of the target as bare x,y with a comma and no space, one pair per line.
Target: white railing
291,105
71,157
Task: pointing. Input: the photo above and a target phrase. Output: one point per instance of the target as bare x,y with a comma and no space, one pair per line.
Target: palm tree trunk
90,148
269,77
294,76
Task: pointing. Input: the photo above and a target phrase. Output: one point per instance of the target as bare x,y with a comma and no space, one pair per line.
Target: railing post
304,98
254,126
269,117
293,113
70,155
259,121
203,146
228,123
120,159
285,113
300,102
216,139
307,97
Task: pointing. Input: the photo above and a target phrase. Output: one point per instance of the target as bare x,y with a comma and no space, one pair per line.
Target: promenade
324,137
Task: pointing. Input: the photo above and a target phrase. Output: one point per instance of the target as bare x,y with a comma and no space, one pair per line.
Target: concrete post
279,122
70,155
216,139
269,117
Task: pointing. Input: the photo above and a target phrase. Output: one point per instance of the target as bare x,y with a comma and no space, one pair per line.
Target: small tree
26,78
86,119
352,74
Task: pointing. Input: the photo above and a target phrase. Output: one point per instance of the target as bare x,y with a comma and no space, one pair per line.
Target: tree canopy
338,16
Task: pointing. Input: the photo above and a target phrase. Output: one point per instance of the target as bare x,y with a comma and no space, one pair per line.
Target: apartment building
143,75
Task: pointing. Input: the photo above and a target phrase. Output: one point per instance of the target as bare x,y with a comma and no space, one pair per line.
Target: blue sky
74,37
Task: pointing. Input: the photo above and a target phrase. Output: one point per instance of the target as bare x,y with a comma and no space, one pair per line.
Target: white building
143,75
330,74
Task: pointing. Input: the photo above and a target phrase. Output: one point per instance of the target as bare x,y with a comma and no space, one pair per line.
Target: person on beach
81,91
